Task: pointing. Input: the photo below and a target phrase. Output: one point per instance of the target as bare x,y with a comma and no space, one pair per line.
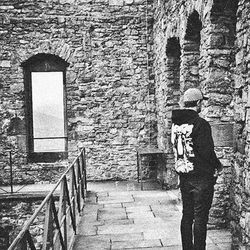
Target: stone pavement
119,215
24,192
30,188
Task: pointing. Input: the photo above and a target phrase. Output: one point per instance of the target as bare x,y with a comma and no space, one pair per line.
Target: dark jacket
205,160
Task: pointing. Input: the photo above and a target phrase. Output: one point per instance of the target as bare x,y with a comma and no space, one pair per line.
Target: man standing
197,165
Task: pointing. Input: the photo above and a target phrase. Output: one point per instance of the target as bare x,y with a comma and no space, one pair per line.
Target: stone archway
173,53
191,52
168,91
56,48
168,95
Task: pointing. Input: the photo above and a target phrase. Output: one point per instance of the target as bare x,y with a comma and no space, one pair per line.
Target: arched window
223,18
173,53
44,79
194,27
191,52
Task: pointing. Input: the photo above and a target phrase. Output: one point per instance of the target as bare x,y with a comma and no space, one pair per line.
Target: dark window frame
43,63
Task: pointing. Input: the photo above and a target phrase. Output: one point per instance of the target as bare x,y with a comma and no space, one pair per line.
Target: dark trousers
197,196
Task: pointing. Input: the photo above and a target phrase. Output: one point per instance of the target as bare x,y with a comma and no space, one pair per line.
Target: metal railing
11,174
60,224
13,170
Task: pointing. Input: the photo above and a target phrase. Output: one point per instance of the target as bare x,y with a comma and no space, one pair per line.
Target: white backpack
183,147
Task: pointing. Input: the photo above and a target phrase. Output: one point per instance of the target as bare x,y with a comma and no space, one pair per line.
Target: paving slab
171,241
102,194
119,229
140,214
220,236
111,213
91,209
152,194
29,188
113,205
92,243
161,233
90,221
118,222
135,204
147,221
110,200
224,246
138,209
157,248
132,244
87,230
121,216
148,201
177,247
126,237
121,194
211,246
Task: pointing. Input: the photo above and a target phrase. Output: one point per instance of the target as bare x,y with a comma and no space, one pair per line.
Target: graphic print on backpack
183,147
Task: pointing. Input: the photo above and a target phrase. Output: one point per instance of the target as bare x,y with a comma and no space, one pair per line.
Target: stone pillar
216,75
167,95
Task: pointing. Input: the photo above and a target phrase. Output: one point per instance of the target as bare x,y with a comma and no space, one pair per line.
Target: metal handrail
59,223
10,170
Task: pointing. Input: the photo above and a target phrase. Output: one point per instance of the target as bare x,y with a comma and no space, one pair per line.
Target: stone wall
115,57
240,187
213,50
14,214
109,84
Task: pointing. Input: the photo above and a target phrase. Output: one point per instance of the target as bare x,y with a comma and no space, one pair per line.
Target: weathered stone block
116,2
216,40
239,57
5,64
129,2
223,134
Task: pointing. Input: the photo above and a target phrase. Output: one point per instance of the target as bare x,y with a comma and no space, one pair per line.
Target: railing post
30,241
60,213
48,228
11,173
57,222
64,211
23,243
82,176
73,192
78,185
84,168
70,207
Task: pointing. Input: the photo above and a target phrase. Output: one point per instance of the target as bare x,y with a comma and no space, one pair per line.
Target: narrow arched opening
191,52
45,95
173,53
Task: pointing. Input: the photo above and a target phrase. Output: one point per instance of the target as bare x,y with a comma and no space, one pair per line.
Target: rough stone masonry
107,81
129,61
206,44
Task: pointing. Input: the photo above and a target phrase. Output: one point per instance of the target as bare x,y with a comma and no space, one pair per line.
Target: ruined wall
208,60
109,98
240,188
13,216
110,84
